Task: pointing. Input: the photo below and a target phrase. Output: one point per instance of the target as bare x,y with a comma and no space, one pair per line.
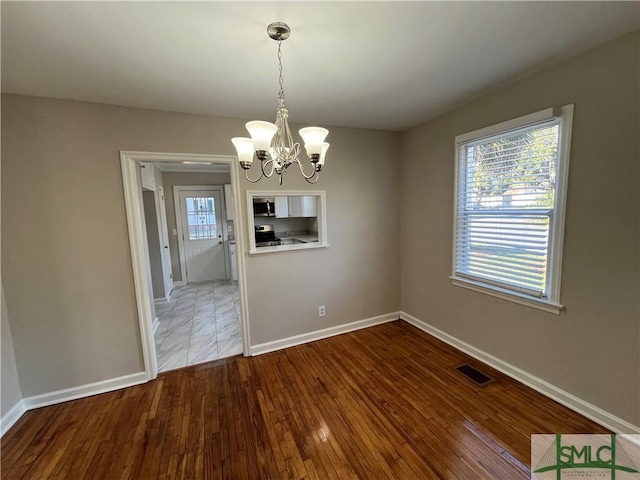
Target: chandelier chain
280,80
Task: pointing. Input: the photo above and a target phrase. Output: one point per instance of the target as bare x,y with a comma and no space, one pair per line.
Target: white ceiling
386,65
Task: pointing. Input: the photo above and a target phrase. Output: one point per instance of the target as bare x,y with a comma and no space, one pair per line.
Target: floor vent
476,376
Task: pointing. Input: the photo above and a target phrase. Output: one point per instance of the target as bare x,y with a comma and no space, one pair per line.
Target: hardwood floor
385,402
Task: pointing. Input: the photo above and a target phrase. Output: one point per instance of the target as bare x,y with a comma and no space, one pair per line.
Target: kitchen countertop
292,242
295,239
306,238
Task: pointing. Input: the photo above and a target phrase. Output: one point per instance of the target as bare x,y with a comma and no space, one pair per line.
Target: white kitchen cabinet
234,262
147,176
282,207
302,206
296,206
309,206
228,201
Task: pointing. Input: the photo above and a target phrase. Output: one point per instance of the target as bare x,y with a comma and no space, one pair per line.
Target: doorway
200,294
201,233
201,323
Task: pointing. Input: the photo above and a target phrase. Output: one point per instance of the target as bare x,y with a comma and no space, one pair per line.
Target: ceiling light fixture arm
313,178
246,175
263,173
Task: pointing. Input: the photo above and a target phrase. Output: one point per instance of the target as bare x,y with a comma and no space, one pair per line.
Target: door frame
165,256
130,161
178,211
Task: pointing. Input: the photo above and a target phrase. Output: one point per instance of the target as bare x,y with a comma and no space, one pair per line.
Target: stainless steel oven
266,237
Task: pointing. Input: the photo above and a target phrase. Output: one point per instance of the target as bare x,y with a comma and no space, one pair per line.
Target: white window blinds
506,192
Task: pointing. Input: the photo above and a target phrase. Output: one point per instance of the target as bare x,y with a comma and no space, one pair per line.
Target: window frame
551,302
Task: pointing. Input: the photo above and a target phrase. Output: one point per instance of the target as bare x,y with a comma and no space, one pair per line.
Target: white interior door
164,241
201,212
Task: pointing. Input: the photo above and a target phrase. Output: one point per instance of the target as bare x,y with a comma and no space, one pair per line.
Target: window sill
507,295
288,248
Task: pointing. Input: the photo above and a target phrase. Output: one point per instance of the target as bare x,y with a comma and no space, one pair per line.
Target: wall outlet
175,232
321,311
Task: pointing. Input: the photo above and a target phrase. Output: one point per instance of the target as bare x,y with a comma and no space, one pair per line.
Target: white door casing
140,256
200,218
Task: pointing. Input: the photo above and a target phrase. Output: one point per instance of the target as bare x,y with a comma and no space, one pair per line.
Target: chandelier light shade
272,143
244,147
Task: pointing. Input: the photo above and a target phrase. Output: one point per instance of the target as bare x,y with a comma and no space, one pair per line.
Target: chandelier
272,143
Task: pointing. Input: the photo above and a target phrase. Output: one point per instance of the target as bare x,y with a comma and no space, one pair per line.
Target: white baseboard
83,391
320,334
598,415
155,324
11,417
166,298
67,394
179,283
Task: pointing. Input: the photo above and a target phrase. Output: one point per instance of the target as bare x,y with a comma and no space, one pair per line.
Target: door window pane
201,217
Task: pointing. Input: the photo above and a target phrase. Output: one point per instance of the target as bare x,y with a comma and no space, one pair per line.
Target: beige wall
10,393
171,179
354,278
67,270
592,349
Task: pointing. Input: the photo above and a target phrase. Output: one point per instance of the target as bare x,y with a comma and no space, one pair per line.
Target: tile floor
201,323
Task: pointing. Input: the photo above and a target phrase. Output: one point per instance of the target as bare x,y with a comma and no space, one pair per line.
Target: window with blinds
506,201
